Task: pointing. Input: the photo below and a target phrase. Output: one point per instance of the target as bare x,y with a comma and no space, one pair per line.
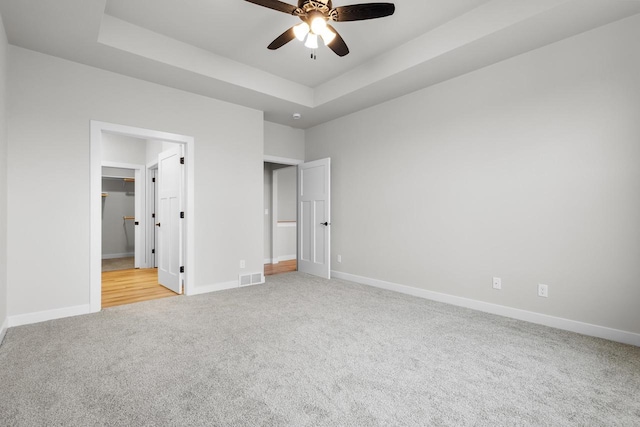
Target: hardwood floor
133,285
281,267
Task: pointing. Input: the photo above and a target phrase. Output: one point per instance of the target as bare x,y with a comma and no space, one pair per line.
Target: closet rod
128,217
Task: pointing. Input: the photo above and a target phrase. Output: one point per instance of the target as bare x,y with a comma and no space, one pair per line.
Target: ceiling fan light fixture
315,14
312,41
327,36
301,30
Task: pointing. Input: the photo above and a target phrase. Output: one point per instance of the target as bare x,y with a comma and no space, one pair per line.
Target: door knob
158,225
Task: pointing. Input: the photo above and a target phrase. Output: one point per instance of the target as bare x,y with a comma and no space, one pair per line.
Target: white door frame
95,209
140,252
274,199
274,217
151,208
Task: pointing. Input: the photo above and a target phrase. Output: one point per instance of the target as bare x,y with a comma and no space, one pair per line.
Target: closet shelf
124,178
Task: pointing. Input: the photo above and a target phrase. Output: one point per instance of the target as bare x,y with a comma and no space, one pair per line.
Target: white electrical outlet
497,283
339,258
242,264
543,290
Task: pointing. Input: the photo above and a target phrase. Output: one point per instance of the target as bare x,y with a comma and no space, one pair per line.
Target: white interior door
314,222
168,222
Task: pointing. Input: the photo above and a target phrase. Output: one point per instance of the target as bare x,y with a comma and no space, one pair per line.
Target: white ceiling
217,48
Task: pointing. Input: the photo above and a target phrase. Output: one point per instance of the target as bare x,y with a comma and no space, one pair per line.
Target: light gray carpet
302,351
117,264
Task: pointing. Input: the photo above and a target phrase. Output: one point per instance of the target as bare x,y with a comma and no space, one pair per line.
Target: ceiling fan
315,14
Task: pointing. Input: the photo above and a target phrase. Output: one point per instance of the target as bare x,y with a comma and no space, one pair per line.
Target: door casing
140,256
95,247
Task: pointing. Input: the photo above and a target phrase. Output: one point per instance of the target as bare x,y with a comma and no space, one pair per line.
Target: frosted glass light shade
301,30
312,41
318,25
327,36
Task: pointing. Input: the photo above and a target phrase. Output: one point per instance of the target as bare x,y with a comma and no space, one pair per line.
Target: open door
314,209
168,219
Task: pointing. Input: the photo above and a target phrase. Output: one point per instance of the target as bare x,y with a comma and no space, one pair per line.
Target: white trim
95,248
268,261
151,208
115,256
118,165
274,216
501,310
140,213
215,287
282,160
281,224
3,330
43,316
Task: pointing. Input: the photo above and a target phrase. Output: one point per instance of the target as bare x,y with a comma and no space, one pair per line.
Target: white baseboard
114,256
43,316
214,287
268,261
3,329
501,310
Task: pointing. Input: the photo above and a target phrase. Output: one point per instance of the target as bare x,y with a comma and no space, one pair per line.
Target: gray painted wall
51,102
283,141
155,147
287,194
124,149
3,180
118,235
528,170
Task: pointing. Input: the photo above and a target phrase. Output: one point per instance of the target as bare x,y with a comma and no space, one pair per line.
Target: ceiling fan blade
337,44
276,5
360,12
282,39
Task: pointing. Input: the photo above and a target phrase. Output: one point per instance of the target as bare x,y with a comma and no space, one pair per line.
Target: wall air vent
251,279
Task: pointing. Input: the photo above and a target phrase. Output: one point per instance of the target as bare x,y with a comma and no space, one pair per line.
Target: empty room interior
422,212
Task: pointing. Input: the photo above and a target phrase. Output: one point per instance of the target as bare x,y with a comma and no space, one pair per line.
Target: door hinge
153,180
136,223
182,160
153,215
153,251
182,269
182,215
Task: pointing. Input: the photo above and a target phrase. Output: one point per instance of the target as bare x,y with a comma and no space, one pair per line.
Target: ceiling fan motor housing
323,6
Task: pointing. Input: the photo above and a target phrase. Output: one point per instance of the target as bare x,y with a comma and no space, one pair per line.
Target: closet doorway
139,186
280,210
